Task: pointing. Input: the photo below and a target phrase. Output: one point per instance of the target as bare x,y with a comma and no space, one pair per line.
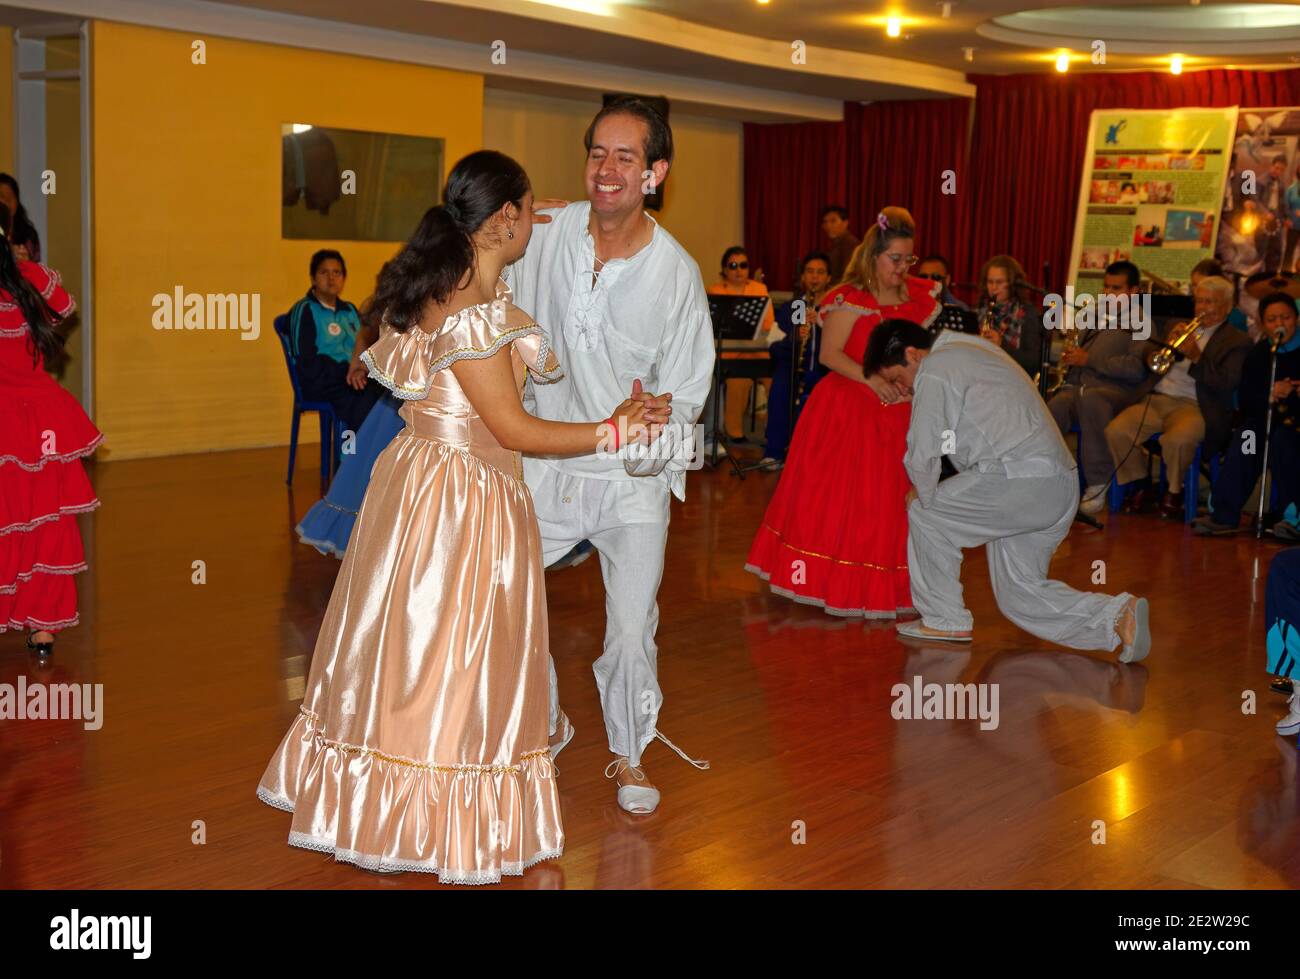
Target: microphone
1275,340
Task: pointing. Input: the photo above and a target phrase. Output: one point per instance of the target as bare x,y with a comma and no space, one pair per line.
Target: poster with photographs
1260,222
1153,182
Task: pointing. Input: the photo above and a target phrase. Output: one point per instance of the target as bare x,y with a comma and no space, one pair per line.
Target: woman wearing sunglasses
835,532
735,281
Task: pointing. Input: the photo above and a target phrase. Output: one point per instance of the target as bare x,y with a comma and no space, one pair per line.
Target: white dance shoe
564,732
1290,724
914,629
642,799
1141,644
638,799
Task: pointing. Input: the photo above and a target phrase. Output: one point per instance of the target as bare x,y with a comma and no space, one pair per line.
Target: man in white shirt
1016,491
1190,404
623,302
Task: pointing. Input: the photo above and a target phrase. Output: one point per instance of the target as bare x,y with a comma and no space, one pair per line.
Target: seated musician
1190,403
1104,373
735,281
802,329
1244,460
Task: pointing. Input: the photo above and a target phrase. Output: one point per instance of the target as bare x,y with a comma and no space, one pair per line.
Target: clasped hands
889,392
643,415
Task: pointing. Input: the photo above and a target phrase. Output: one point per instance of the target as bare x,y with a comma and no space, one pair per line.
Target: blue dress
328,524
1282,613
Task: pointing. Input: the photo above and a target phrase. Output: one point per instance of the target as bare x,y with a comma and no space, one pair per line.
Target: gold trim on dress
827,557
357,749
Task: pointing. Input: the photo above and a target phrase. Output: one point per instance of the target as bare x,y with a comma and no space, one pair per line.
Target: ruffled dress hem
522,790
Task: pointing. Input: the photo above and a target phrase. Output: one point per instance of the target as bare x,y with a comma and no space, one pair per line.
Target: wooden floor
791,706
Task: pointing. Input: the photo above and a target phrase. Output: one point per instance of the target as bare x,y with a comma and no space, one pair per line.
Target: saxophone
1060,371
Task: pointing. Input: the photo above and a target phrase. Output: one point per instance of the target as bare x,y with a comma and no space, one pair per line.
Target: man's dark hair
658,137
839,209
1275,299
323,255
1132,275
1279,159
1207,266
936,258
814,256
889,342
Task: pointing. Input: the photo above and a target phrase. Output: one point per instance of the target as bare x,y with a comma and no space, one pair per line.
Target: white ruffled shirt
646,317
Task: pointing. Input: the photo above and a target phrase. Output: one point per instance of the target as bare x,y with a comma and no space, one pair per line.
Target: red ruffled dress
43,435
835,531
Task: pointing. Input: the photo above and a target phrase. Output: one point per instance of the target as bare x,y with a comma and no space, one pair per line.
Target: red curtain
794,170
1017,175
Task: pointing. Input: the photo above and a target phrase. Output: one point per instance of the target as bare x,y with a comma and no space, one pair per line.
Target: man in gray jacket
1106,373
1016,491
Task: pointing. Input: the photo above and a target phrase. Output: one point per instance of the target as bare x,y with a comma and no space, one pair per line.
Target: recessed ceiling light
1062,63
1176,65
893,26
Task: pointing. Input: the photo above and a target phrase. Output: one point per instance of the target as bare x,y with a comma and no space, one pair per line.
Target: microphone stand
1268,433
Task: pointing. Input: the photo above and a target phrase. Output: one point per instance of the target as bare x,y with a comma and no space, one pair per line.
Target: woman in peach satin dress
421,743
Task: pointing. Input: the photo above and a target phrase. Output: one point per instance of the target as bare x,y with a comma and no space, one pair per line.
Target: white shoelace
618,765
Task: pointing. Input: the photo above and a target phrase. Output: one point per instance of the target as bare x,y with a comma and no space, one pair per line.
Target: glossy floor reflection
814,783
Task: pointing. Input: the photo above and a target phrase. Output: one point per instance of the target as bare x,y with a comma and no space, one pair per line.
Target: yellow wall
703,197
187,192
61,246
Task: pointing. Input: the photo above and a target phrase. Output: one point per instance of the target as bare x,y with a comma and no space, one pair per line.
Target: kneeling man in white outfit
1016,491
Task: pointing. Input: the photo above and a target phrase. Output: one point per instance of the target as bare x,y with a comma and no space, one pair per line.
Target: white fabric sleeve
686,372
935,410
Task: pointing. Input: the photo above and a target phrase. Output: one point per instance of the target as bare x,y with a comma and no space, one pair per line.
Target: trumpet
1159,361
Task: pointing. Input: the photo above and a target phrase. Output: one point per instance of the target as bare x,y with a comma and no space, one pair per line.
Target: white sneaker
1093,500
1290,724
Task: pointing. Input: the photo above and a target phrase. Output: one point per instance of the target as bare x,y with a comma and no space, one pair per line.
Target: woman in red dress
43,435
835,532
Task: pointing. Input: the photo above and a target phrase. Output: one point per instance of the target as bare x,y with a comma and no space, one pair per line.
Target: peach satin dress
421,743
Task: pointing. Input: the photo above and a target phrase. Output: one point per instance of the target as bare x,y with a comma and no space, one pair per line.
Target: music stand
957,319
734,318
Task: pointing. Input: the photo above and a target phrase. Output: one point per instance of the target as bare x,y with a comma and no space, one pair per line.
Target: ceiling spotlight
968,54
893,26
1062,63
945,9
1176,65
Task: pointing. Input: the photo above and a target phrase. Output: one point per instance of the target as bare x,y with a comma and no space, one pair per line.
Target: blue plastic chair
1191,480
331,428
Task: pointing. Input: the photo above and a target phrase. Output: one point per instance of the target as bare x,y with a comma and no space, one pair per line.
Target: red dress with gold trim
835,531
43,435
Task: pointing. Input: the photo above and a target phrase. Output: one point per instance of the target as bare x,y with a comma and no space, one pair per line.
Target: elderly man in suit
1106,371
1191,403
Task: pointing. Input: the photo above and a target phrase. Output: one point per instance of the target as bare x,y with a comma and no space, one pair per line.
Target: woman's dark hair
1272,299
439,256
324,255
889,342
22,232
733,250
45,340
658,137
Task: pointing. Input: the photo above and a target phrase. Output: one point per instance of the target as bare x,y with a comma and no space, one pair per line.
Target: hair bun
453,211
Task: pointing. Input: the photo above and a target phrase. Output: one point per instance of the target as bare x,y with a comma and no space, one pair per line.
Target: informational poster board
1152,190
1257,211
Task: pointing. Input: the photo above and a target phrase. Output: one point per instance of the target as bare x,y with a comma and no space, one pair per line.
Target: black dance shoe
43,649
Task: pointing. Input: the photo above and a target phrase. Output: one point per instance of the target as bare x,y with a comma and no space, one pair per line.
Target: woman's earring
510,233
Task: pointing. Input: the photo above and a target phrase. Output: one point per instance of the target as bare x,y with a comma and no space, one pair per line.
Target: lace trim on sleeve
543,355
